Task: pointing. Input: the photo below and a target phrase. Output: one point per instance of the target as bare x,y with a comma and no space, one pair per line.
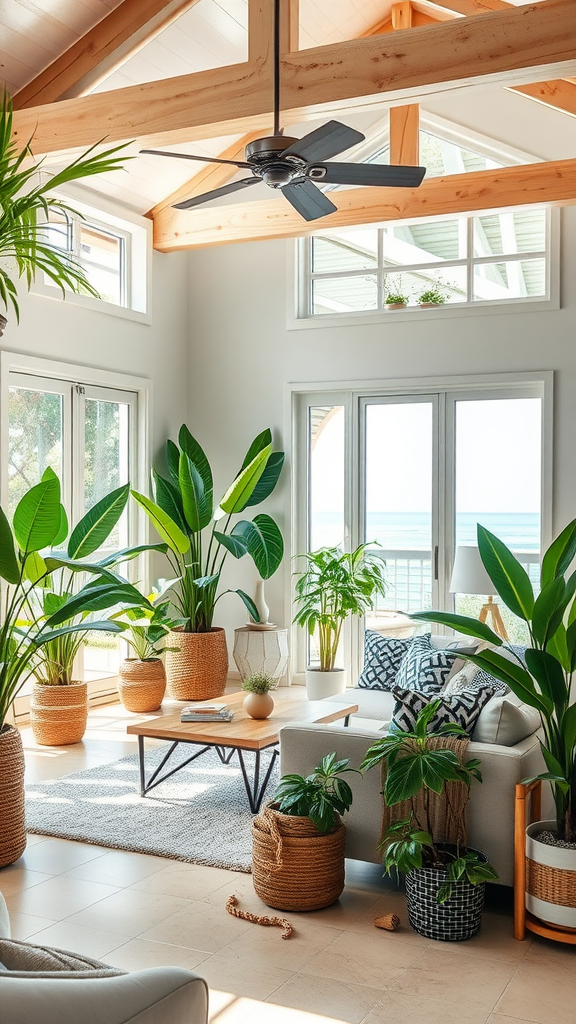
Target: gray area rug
200,815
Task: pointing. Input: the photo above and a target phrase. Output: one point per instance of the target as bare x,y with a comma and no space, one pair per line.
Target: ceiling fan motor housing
265,156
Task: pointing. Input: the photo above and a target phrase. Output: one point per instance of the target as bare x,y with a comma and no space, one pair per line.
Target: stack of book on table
207,713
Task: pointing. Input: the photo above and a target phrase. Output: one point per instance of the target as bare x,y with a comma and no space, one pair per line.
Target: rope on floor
281,922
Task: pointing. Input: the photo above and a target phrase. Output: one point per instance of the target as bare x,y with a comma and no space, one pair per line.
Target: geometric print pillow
382,657
425,667
461,709
512,652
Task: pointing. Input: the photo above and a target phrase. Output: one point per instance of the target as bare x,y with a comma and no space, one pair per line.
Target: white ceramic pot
548,870
324,684
258,705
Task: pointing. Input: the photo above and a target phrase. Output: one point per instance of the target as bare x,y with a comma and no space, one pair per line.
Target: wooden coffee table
240,735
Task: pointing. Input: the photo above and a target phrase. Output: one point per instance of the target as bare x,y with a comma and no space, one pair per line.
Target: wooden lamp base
491,611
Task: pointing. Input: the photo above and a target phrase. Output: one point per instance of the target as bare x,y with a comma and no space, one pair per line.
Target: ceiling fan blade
308,200
366,174
329,140
226,190
200,159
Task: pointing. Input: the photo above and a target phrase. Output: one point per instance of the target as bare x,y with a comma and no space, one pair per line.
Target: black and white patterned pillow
460,709
512,652
382,657
425,667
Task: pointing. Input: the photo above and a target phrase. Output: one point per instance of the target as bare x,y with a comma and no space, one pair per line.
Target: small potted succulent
394,298
431,296
142,679
258,703
298,841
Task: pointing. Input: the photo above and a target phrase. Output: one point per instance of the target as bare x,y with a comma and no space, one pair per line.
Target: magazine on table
207,713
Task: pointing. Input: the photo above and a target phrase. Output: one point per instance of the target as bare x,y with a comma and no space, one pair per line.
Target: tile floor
137,911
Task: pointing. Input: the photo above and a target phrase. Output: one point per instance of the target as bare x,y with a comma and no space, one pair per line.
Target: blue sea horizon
411,530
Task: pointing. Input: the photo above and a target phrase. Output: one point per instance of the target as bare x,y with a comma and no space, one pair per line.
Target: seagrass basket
550,878
12,818
294,866
58,714
199,668
141,684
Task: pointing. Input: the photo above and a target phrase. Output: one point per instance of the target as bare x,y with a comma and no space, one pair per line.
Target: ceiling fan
294,165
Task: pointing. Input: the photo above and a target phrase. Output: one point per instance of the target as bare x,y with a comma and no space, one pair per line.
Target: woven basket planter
550,878
58,714
199,668
457,919
294,866
141,684
12,818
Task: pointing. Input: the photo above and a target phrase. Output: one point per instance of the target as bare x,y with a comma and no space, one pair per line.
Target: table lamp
470,577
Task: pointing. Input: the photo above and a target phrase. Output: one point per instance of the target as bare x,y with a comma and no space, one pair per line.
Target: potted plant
24,208
394,298
39,520
142,679
444,883
258,703
298,841
184,515
431,296
544,682
333,585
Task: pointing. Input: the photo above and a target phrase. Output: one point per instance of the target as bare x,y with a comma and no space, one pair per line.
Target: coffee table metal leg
224,757
141,766
254,791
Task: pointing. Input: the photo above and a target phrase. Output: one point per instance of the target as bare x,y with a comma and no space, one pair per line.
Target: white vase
324,684
260,602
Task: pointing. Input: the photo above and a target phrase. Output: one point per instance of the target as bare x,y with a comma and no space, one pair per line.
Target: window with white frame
412,472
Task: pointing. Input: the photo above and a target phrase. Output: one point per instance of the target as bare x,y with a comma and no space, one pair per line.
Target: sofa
504,763
91,993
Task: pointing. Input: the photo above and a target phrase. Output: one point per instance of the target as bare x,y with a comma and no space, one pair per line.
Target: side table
261,650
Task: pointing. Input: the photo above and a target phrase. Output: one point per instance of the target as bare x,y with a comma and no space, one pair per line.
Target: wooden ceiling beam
404,121
101,51
511,47
527,184
560,94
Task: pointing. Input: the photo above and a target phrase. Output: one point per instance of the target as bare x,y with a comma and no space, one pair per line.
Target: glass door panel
36,424
326,520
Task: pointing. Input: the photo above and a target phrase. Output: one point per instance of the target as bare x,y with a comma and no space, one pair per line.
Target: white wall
241,353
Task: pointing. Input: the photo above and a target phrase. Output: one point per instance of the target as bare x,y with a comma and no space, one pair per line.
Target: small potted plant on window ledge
432,296
142,679
395,298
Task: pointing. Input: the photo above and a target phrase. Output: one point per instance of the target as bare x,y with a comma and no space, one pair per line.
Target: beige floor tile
498,1018
90,942
55,856
58,897
543,950
375,959
396,1007
191,881
129,912
15,878
240,978
266,947
458,979
33,840
225,1008
340,1000
494,941
200,926
118,868
24,926
137,954
545,993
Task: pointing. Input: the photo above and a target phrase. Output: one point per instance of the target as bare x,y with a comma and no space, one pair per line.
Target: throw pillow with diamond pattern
382,657
425,667
461,709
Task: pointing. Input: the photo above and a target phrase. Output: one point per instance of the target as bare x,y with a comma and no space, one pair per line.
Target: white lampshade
469,575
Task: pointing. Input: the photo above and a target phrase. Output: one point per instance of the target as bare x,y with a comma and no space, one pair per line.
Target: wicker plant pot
199,668
457,919
12,819
141,684
58,714
550,878
295,867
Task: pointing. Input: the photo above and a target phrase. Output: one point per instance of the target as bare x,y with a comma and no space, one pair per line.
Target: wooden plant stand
523,919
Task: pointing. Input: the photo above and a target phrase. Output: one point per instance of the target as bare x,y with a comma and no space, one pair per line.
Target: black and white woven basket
456,919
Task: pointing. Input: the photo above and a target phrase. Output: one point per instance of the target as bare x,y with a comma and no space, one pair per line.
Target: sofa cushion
382,658
462,709
26,957
425,667
505,720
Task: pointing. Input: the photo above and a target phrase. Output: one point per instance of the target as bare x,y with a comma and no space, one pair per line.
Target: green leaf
97,525
37,517
263,542
267,481
519,681
169,499
510,579
173,460
195,501
54,562
252,609
97,597
80,627
549,674
243,486
548,610
168,530
235,545
8,563
127,554
197,457
559,555
63,529
461,623
263,440
568,729
34,567
404,779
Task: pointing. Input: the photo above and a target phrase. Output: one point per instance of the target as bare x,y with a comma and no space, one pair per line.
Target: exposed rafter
527,184
404,121
510,47
102,50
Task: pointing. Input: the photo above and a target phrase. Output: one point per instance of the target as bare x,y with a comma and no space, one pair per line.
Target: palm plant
24,210
546,679
184,513
333,585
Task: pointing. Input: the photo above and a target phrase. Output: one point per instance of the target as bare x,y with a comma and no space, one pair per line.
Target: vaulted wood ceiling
197,73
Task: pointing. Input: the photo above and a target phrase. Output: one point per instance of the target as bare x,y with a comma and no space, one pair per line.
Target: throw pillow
461,680
25,957
462,709
506,721
382,657
425,667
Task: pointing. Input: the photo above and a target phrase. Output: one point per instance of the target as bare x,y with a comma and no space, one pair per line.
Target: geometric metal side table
261,650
